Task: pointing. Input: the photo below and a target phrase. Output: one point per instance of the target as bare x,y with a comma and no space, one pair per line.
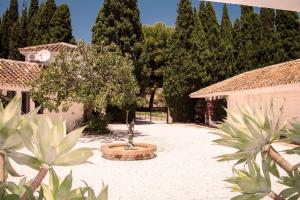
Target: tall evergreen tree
32,21
14,41
24,28
118,22
33,9
246,59
154,55
288,28
42,20
202,15
179,78
214,67
1,33
226,55
9,19
237,44
60,25
270,50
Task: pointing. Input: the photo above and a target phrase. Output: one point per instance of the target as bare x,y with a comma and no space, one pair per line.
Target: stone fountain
129,150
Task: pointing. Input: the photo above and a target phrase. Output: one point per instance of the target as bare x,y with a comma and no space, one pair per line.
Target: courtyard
184,168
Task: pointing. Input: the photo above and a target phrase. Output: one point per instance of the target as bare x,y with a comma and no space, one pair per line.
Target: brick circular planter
117,151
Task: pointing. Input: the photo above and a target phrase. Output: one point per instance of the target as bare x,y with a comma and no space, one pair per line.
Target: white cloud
293,5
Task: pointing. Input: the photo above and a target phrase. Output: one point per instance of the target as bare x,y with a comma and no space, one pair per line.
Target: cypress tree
14,41
43,17
9,19
33,9
237,44
32,22
226,55
246,59
118,22
288,28
214,67
271,50
60,27
23,28
202,15
178,75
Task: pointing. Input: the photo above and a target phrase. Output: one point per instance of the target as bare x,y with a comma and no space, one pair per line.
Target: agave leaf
65,187
53,181
43,136
24,159
10,168
48,195
70,140
103,195
75,157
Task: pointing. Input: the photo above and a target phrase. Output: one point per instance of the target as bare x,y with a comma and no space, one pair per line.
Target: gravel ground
184,169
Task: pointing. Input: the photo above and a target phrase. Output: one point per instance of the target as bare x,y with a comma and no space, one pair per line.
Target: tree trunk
274,196
2,168
278,159
152,98
38,179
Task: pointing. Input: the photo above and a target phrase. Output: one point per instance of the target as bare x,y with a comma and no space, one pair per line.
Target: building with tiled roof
16,78
279,83
53,47
18,74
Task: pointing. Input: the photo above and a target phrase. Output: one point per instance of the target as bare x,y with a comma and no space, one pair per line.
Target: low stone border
116,154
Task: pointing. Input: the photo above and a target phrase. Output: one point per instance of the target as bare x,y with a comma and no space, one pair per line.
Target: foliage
60,25
118,22
96,125
252,132
154,55
176,84
49,145
88,75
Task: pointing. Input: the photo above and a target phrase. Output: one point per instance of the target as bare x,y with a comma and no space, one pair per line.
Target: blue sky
84,12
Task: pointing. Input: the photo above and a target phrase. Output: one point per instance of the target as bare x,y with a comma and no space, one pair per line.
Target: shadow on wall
116,136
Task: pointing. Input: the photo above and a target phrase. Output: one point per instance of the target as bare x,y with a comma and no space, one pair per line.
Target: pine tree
179,78
237,44
60,28
214,67
13,12
1,33
246,59
288,28
32,21
226,55
118,22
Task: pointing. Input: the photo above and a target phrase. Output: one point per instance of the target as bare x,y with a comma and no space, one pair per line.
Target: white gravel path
184,169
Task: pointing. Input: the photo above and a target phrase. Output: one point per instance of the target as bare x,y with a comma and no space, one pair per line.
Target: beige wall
74,113
288,97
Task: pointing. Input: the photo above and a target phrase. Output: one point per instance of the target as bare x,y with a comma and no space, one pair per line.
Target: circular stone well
118,151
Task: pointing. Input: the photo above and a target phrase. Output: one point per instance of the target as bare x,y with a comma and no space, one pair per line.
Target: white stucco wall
286,96
72,116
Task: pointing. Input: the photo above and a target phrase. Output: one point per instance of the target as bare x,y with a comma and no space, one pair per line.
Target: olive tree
96,76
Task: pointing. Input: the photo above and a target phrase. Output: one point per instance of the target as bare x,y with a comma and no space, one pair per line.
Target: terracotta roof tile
279,74
50,47
18,74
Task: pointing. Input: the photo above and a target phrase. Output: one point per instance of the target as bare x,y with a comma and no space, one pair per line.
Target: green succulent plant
249,132
252,184
293,184
50,145
61,190
103,195
11,123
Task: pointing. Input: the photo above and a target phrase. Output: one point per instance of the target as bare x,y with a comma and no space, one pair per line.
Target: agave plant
252,184
51,146
252,132
293,184
61,190
11,122
103,195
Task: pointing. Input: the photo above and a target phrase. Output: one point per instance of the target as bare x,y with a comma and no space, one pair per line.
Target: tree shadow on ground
116,135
